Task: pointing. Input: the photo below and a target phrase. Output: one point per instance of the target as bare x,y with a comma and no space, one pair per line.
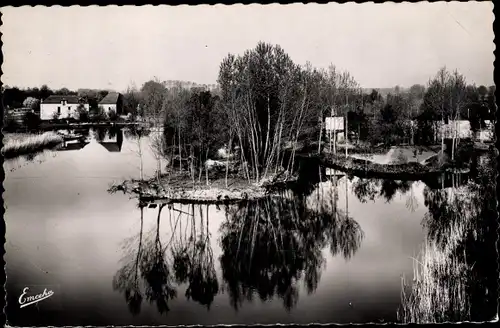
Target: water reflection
13,164
194,261
454,279
268,247
368,189
153,270
151,265
156,271
126,279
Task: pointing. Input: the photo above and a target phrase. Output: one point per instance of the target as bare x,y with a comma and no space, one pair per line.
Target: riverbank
59,126
17,144
180,188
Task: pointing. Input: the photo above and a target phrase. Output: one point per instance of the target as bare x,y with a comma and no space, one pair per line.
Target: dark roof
111,146
55,99
111,98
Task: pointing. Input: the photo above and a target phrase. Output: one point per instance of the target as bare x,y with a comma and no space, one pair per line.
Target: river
336,254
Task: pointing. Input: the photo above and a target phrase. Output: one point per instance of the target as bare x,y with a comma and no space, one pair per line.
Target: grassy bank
17,144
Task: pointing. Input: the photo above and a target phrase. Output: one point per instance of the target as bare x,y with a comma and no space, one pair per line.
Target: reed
438,291
17,145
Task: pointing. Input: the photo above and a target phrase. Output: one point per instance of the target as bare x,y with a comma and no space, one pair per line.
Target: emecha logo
25,300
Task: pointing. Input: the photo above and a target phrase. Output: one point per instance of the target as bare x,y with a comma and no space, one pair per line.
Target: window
59,110
69,107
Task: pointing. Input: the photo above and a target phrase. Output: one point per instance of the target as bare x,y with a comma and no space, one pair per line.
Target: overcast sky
382,45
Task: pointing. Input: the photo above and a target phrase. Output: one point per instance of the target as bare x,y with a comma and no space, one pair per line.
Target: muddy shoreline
182,189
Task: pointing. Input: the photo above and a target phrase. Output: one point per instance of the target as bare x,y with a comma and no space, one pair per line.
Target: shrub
82,114
10,124
401,159
31,121
55,116
98,115
112,115
130,117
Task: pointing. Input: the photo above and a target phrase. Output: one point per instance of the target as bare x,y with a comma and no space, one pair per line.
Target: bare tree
458,100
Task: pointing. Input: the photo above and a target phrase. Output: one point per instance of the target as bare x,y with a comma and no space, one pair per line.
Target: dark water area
333,250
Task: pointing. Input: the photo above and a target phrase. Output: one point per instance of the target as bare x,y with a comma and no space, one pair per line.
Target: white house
112,101
63,106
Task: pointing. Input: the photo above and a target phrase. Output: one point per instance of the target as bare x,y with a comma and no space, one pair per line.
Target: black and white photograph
249,164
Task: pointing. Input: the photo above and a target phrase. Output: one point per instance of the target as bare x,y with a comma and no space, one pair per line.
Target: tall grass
438,290
29,143
441,274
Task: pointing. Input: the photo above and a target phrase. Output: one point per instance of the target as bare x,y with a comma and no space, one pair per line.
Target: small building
61,106
112,101
335,124
485,133
458,128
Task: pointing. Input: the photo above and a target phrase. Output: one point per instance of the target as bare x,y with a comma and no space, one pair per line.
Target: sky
381,45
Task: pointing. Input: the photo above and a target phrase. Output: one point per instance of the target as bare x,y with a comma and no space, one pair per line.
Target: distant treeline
265,105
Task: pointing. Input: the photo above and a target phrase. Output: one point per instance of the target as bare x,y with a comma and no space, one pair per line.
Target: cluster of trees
266,106
13,97
414,115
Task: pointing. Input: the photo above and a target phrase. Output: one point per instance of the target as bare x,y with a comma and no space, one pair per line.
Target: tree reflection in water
149,271
126,279
268,245
156,272
369,189
455,275
193,261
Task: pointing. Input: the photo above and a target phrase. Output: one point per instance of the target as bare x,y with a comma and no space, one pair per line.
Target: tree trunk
346,124
442,135
180,153
228,155
206,167
192,163
320,134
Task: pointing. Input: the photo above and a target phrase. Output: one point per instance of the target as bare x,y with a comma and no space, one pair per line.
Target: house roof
111,146
111,98
56,99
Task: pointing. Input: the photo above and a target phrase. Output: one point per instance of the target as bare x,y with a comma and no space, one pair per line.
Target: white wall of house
334,123
64,109
486,132
462,128
108,107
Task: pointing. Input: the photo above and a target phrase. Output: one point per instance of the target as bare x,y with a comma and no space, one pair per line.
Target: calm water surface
334,255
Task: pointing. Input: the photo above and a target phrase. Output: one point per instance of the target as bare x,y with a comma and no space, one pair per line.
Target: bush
82,114
31,121
10,124
402,159
98,115
112,115
55,116
130,117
